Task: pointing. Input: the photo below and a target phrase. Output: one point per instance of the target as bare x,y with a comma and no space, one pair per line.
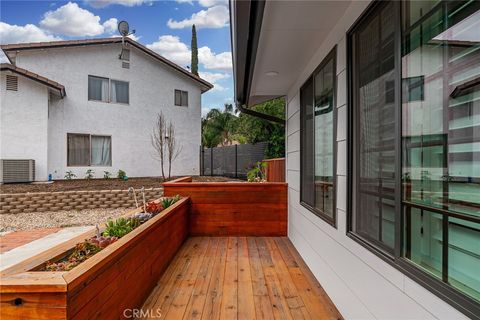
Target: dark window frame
90,149
183,98
331,56
450,295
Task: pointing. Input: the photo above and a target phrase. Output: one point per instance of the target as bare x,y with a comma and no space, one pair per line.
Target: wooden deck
238,278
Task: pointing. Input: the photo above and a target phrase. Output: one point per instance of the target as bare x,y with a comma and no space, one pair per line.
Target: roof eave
205,85
245,27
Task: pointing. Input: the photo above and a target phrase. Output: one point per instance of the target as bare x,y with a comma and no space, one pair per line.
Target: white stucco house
92,104
382,129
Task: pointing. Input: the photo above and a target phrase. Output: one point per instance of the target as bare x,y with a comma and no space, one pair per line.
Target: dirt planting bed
95,184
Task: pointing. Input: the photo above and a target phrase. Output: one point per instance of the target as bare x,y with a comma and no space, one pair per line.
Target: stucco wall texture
152,86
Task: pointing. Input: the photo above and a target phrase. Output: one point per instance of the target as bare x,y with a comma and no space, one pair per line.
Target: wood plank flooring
238,278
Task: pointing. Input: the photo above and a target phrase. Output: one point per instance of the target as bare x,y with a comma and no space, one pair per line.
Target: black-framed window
181,98
373,60
85,150
318,140
414,142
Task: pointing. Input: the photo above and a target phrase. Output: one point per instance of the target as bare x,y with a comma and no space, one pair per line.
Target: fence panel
231,161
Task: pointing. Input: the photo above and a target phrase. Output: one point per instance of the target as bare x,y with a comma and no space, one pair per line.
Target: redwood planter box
119,277
233,208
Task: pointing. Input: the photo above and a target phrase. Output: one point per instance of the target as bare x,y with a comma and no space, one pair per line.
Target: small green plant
167,202
89,174
122,175
69,175
106,175
257,173
120,227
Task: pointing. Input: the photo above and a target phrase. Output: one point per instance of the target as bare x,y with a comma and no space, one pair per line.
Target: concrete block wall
72,200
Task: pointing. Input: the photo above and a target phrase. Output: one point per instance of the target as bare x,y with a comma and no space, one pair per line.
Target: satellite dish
123,28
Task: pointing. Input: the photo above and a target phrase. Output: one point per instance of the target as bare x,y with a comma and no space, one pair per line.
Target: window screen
373,163
97,88
78,149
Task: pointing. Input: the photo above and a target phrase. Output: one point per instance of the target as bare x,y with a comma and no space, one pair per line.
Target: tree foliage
221,128
194,62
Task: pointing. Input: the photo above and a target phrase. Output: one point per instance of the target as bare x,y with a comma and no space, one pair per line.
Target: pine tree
194,64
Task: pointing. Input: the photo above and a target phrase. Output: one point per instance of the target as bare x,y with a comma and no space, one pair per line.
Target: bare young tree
158,139
173,147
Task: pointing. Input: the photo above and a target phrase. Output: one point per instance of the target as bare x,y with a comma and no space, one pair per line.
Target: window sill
331,221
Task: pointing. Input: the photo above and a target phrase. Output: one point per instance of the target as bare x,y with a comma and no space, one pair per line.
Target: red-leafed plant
153,207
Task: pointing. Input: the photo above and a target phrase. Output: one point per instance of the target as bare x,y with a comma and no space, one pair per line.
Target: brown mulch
96,184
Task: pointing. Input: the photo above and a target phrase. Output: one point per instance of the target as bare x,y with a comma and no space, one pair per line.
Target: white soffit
291,33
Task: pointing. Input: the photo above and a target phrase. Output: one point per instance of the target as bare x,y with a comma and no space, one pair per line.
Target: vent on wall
12,82
15,171
126,65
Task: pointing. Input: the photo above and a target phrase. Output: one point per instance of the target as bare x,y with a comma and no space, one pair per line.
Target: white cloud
205,3
18,34
111,25
184,1
213,78
173,49
71,20
211,3
126,3
213,17
27,33
221,61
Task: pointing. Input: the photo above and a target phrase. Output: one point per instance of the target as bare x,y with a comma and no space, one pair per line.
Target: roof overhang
54,87
274,41
11,51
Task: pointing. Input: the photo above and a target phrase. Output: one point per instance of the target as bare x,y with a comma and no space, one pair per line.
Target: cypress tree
194,64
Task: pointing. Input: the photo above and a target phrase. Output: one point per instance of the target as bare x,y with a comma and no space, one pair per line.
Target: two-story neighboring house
92,104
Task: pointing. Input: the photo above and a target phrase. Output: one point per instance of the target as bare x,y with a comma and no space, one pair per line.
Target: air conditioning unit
17,170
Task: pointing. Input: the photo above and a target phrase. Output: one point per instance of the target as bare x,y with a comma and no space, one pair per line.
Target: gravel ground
58,219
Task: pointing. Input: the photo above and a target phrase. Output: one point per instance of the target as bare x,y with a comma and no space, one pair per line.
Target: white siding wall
361,285
151,91
23,123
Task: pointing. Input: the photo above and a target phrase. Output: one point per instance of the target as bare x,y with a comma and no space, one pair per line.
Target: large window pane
324,139
119,91
97,88
78,150
101,151
374,127
441,136
307,144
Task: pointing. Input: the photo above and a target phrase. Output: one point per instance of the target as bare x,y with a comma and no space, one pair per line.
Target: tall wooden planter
117,278
233,208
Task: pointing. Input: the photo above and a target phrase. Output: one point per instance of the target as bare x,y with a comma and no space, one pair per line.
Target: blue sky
163,26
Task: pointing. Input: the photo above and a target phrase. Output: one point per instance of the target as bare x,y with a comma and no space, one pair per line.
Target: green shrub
257,173
106,175
69,175
121,174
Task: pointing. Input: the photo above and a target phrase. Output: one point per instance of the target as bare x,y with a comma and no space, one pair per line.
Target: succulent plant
102,241
117,228
153,207
167,202
143,216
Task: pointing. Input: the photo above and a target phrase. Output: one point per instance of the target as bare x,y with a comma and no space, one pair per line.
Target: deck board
239,278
